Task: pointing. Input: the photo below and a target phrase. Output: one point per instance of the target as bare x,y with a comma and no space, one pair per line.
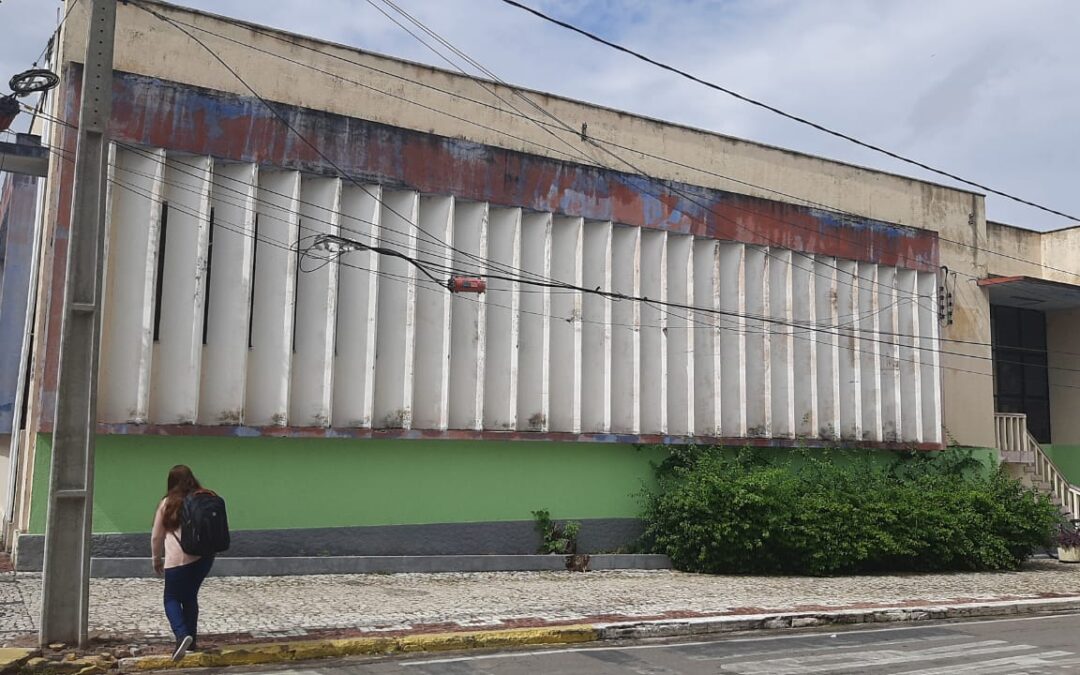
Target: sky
985,89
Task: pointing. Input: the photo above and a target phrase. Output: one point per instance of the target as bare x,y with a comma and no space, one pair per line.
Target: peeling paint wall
18,213
371,90
284,322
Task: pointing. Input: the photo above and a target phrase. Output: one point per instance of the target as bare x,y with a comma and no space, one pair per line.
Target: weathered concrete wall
1062,327
18,198
408,95
396,92
1021,251
967,376
1014,251
1061,255
5,474
411,96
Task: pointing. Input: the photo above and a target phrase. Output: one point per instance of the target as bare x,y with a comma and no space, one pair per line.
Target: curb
730,624
280,652
285,652
113,568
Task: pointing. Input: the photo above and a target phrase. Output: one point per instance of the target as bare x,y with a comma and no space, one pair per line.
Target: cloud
987,90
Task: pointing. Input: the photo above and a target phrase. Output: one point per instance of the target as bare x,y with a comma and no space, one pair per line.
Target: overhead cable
773,109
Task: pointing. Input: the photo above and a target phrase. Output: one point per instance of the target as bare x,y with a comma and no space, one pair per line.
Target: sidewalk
237,610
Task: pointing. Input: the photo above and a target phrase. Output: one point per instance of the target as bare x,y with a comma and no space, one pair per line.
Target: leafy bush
555,537
836,512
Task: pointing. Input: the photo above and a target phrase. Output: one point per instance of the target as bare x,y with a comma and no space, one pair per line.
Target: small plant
555,537
1068,537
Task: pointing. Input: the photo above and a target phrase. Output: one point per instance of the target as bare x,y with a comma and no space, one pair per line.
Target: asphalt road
1008,646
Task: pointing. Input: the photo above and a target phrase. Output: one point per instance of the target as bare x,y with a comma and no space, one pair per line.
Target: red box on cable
467,285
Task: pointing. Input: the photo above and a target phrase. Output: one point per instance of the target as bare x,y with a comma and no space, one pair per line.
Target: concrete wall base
261,567
511,538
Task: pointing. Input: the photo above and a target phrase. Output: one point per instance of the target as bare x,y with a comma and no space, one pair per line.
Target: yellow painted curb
256,654
12,658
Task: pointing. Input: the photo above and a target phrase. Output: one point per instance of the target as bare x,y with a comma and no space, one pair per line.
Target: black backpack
204,525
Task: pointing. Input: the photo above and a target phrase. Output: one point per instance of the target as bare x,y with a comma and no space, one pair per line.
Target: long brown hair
181,483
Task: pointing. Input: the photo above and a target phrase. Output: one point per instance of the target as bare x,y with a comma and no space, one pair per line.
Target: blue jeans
182,596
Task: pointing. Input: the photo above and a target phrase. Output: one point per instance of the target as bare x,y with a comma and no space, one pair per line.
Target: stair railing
1016,444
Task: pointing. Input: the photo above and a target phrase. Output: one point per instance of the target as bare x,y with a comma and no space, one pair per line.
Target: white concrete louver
781,344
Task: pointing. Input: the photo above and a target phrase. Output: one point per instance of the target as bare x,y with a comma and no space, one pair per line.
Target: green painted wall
273,483
1067,458
281,483
988,458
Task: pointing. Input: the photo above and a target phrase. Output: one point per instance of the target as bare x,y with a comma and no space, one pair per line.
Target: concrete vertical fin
396,331
681,329
827,344
759,405
850,363
733,339
469,320
708,324
929,357
626,331
869,351
311,396
535,325
567,255
804,280
358,309
782,343
889,347
174,396
224,372
596,330
269,370
127,341
431,402
910,357
654,332
503,308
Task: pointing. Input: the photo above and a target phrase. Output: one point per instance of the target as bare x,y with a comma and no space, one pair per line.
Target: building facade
277,315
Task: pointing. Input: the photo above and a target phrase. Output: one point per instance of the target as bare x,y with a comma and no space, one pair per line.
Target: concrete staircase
1026,459
1031,477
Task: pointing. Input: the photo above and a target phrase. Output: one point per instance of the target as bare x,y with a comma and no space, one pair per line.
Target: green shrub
836,512
555,537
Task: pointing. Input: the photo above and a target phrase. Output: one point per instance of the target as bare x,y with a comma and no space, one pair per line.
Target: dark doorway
1020,378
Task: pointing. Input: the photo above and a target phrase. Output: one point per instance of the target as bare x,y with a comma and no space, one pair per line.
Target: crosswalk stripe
1005,666
823,663
822,646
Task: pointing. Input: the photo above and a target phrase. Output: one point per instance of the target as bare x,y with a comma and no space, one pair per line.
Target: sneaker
182,648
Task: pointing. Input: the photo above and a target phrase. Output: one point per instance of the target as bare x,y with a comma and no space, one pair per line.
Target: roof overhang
26,157
1032,293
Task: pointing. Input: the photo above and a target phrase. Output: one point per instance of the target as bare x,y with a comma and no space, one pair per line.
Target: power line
792,328
517,112
287,124
226,65
490,264
56,32
517,92
555,285
564,286
773,109
382,227
592,137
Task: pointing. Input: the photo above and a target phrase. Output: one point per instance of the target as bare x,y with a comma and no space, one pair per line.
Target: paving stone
274,606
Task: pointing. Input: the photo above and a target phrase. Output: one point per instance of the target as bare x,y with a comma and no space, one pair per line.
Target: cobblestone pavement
291,606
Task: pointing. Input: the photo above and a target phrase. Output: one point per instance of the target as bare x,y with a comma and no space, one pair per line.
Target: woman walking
183,573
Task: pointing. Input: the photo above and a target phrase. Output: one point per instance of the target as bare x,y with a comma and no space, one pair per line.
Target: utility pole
66,582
